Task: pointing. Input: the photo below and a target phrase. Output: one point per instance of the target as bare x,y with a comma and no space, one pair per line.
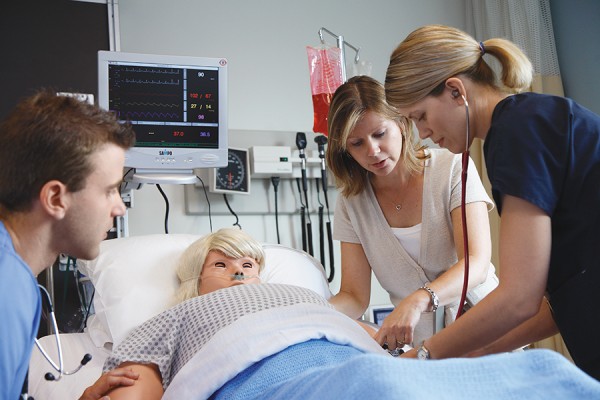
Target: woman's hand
412,353
108,381
398,327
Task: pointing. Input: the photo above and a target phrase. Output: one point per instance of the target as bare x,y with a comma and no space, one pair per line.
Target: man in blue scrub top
61,165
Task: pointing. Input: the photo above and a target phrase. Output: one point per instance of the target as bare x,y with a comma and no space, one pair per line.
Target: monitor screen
177,106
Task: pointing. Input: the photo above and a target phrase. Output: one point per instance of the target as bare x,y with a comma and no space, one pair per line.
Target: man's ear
55,199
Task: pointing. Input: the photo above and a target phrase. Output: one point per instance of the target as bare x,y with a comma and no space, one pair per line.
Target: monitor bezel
156,159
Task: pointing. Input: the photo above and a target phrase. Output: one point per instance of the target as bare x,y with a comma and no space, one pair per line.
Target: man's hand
108,381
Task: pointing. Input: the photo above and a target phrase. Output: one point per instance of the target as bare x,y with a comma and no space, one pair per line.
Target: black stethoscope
58,367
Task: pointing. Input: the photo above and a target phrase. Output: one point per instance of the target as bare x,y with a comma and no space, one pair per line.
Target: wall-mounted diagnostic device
268,161
235,177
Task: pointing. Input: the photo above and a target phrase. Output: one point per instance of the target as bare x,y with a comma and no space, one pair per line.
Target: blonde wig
231,242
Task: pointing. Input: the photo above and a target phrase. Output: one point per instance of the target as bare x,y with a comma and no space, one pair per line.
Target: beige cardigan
359,219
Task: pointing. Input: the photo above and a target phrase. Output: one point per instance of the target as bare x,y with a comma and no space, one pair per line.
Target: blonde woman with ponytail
542,155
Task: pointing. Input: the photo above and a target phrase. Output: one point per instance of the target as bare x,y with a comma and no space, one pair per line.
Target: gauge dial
234,178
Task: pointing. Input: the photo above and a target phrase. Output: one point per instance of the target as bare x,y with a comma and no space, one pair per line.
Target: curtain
528,23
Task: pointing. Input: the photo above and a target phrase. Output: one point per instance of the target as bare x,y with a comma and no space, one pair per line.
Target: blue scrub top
20,310
546,150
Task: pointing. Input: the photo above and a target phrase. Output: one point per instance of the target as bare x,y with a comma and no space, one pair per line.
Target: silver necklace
398,206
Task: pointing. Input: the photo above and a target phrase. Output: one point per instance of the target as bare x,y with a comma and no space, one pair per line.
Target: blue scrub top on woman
546,150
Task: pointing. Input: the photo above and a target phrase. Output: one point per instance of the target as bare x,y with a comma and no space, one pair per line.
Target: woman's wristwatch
435,301
423,352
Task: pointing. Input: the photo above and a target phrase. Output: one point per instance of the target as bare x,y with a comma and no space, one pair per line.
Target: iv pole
321,140
340,44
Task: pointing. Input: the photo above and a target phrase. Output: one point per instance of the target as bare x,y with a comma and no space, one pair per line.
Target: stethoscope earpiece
456,94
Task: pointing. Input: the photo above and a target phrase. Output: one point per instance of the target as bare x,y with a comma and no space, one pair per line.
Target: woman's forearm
539,327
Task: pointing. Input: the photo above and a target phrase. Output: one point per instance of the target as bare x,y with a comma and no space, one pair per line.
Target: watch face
422,353
234,178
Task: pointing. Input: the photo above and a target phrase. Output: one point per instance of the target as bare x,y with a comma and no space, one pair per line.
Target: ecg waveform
134,91
151,82
150,104
151,70
147,116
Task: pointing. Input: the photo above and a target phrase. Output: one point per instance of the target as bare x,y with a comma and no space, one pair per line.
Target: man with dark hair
61,164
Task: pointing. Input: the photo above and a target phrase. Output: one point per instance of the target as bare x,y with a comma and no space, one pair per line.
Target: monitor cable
301,144
321,229
302,216
275,181
207,202
322,238
237,220
321,141
166,207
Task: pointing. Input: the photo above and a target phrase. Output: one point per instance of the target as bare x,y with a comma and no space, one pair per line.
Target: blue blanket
318,369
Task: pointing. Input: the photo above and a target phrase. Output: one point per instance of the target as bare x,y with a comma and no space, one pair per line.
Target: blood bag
325,67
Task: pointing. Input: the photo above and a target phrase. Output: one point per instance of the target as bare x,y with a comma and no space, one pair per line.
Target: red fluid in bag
321,103
325,77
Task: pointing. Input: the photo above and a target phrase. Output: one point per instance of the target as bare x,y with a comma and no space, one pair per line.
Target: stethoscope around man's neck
463,208
60,366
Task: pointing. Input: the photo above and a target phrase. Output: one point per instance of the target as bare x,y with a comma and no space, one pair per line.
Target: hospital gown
171,338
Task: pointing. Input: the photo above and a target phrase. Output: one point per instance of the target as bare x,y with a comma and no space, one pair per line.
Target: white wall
264,41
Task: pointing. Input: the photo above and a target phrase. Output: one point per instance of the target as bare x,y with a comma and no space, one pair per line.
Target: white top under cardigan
359,219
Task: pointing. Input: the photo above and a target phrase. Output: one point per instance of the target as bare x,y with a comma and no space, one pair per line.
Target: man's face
93,208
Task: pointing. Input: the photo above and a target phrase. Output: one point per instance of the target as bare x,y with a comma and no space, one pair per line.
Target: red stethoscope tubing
463,209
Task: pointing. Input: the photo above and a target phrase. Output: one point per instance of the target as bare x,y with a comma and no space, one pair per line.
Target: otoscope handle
301,144
301,140
321,141
304,182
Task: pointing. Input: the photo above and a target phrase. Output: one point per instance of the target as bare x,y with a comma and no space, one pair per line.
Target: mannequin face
220,271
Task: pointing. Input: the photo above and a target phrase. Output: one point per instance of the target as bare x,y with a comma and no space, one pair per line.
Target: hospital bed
134,279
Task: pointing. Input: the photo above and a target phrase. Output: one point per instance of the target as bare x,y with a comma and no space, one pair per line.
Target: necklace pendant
398,207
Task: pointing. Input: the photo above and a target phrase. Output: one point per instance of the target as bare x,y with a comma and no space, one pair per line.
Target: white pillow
294,267
135,279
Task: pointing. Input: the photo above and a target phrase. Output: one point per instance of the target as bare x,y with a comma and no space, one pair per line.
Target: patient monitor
177,106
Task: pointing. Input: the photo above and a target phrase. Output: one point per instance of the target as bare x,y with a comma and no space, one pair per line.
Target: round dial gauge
233,177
